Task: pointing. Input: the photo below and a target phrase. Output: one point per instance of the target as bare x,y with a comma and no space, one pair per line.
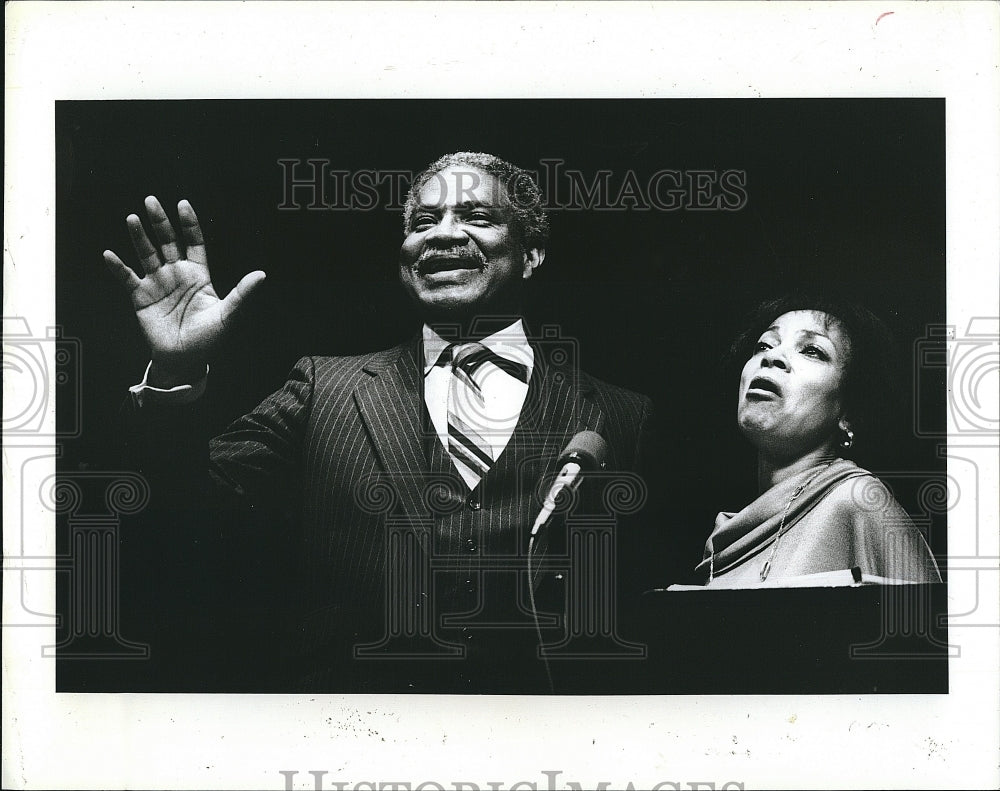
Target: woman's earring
848,439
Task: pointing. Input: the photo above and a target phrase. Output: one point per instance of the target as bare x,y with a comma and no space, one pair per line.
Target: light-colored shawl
739,536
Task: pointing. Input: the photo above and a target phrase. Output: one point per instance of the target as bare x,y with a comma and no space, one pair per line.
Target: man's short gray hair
530,224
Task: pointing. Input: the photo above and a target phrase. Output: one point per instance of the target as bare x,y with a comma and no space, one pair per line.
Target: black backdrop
839,193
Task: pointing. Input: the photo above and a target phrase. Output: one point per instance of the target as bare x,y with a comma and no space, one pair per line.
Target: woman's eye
815,351
762,346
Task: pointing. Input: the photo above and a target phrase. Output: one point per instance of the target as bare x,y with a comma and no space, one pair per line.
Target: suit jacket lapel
558,406
391,406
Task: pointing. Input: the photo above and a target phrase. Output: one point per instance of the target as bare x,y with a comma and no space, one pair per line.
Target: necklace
766,568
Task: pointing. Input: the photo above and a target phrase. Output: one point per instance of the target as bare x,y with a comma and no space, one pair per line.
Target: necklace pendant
765,570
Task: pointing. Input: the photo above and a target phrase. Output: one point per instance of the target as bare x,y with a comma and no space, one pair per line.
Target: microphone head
587,448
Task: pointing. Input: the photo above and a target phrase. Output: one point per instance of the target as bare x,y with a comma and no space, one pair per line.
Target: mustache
429,258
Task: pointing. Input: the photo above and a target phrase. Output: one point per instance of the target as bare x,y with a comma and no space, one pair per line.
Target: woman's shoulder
862,496
885,539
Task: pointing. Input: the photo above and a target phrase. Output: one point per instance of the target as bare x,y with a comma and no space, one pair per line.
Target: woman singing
813,372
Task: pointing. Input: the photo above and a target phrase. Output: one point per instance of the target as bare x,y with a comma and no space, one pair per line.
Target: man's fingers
121,272
148,257
163,231
235,297
194,241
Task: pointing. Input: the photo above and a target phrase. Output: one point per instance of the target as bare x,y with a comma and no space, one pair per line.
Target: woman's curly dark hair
871,392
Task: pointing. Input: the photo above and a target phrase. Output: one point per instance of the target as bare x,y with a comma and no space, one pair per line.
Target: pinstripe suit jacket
346,447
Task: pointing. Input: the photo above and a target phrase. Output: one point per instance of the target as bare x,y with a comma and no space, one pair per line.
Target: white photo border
57,51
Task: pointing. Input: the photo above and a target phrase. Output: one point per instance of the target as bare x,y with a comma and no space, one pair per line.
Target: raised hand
180,315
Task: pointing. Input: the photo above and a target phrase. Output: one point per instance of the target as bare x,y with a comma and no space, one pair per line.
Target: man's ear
533,258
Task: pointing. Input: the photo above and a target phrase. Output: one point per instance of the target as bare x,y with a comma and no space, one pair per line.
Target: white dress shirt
503,394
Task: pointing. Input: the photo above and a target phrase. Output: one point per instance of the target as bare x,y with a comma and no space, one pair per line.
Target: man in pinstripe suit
411,517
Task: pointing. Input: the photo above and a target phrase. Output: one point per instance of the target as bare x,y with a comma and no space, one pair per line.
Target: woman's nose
775,358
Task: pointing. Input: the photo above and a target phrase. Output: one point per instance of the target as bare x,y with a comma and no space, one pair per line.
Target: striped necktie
469,424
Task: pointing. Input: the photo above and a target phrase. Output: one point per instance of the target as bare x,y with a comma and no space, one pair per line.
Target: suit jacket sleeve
256,459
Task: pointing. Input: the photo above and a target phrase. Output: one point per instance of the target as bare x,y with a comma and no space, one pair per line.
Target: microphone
586,452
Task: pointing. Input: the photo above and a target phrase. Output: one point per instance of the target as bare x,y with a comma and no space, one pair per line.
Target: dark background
845,194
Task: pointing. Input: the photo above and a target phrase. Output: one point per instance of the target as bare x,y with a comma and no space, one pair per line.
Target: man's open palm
179,312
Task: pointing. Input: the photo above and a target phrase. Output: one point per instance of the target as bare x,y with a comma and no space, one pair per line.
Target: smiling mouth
762,388
430,266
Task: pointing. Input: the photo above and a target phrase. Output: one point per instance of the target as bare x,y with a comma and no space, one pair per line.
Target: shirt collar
510,342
